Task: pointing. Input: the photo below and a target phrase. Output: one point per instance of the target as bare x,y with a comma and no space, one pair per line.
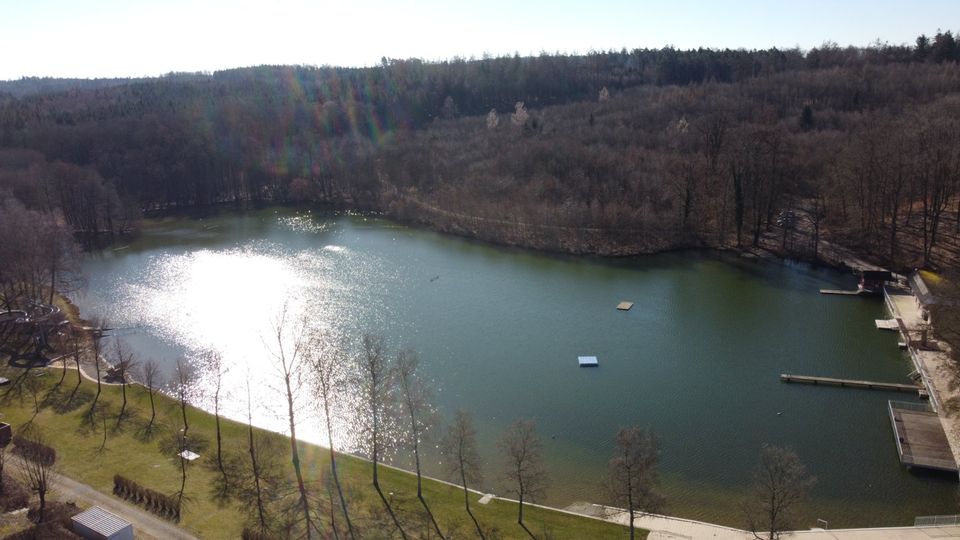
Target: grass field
149,459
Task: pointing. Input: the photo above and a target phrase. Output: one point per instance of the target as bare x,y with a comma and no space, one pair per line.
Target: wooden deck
921,441
838,292
851,383
887,324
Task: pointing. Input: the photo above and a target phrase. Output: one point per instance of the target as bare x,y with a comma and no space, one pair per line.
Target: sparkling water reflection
498,332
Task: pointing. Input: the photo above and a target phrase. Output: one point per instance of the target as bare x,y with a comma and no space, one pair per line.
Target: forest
803,154
612,153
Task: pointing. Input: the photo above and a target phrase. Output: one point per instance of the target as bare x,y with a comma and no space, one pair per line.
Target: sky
132,38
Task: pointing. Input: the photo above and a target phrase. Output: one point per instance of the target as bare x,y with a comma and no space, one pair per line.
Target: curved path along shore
673,528
660,527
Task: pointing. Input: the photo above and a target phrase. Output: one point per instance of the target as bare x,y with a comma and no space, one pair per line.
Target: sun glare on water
227,302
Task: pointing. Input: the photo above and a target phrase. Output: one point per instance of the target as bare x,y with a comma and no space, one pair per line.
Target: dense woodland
795,152
611,152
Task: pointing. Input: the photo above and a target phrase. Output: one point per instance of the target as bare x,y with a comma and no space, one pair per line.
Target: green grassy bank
149,459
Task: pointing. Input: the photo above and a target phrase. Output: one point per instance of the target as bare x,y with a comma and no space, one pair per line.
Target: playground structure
28,333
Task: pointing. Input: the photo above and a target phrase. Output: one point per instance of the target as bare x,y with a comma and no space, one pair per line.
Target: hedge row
156,502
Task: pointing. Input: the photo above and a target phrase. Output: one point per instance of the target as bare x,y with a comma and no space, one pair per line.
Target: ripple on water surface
498,331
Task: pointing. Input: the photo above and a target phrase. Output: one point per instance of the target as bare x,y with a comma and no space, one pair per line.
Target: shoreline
934,366
746,254
659,526
831,255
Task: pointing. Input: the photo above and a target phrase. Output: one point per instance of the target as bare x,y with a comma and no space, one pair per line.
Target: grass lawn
150,461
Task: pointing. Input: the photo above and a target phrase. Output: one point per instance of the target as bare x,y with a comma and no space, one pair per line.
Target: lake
498,332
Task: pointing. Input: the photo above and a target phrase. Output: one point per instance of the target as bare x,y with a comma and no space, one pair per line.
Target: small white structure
887,324
188,455
588,361
98,524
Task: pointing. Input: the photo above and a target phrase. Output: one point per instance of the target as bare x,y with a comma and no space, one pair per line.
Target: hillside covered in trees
611,153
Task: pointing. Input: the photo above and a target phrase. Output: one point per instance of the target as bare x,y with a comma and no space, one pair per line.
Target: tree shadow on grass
63,402
92,419
226,485
169,442
146,432
129,422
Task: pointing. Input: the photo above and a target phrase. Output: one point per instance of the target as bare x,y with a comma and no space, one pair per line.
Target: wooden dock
838,292
887,324
921,441
851,383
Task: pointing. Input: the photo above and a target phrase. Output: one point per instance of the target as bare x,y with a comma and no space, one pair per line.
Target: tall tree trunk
466,499
295,458
423,502
261,513
153,408
333,470
216,416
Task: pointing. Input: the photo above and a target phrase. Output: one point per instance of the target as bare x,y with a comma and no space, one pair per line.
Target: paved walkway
936,367
672,528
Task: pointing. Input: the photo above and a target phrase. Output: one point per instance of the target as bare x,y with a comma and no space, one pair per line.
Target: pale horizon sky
133,38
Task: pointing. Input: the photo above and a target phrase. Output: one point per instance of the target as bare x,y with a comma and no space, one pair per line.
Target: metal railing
924,379
908,406
891,307
936,521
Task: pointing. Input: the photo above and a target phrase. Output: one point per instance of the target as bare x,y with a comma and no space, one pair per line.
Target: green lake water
498,332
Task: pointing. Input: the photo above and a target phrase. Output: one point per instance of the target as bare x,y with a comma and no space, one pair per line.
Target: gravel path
145,525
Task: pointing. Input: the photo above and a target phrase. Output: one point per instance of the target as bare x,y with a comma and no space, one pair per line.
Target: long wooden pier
851,383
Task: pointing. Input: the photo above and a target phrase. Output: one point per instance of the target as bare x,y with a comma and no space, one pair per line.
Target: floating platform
837,292
921,441
887,324
588,361
625,306
851,383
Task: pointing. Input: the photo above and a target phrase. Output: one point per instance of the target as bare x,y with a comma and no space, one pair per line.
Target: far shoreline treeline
610,153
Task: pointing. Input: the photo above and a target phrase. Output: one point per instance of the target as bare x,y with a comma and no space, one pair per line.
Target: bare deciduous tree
376,384
36,468
780,482
255,462
416,404
150,375
459,447
124,364
216,365
328,366
290,340
96,349
76,344
523,457
632,474
182,388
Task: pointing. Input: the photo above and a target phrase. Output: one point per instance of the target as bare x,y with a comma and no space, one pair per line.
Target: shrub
156,502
